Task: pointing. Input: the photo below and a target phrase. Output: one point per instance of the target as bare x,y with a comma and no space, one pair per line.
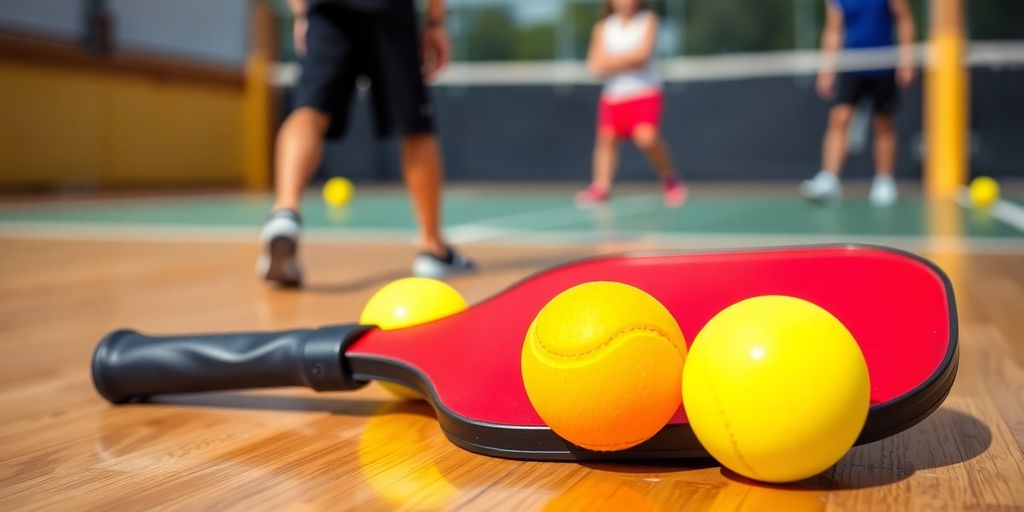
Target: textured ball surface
602,363
407,302
984,192
776,388
338,191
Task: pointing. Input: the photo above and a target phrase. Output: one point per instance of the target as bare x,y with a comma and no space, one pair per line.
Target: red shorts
622,117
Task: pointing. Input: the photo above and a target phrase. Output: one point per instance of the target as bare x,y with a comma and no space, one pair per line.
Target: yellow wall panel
49,126
65,127
170,132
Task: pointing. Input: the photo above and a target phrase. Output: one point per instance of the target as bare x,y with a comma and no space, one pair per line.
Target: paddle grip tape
128,366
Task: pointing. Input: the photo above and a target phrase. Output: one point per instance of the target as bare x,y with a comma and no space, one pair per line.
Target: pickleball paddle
898,306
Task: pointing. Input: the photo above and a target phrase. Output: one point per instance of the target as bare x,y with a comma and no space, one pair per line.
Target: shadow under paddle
945,438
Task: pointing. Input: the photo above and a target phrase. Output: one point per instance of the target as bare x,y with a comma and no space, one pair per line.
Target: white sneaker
883,191
429,265
824,187
279,260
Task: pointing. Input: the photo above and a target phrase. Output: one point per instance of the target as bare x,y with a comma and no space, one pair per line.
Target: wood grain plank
63,448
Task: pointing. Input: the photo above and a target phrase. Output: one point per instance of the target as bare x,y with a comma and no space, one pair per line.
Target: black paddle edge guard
540,443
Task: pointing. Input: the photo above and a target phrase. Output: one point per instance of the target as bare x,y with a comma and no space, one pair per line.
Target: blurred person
621,51
341,41
853,24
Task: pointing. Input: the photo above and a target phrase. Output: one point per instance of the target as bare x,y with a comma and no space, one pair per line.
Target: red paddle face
898,307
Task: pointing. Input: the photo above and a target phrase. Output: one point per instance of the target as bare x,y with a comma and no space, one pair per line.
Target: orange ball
602,363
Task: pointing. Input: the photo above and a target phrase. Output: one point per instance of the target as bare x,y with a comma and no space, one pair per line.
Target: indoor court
173,263
137,200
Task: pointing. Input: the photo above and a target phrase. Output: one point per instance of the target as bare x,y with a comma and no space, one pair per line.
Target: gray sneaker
824,187
430,265
279,261
883,191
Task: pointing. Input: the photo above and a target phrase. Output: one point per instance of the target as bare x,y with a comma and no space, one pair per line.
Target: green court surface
494,216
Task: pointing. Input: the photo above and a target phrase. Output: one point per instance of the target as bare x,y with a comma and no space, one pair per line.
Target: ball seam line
611,339
725,419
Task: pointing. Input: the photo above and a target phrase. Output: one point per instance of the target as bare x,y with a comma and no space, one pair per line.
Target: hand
905,75
826,84
436,50
299,32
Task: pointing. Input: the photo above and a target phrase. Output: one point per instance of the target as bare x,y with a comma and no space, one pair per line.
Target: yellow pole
946,94
257,110
946,132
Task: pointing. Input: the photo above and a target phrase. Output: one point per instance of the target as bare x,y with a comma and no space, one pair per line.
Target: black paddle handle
128,366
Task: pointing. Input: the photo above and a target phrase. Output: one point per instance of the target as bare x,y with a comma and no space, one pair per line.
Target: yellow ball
776,388
338,191
601,364
410,301
984,192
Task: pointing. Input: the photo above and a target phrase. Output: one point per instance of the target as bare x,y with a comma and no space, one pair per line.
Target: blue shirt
866,23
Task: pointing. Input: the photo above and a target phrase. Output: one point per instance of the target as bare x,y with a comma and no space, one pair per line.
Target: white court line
102,203
185,233
1003,210
485,230
928,243
108,232
1009,213
664,240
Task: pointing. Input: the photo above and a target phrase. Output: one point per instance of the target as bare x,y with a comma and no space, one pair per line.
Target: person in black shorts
343,41
855,24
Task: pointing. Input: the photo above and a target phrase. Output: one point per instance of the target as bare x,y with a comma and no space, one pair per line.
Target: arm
600,63
831,42
905,37
436,45
298,8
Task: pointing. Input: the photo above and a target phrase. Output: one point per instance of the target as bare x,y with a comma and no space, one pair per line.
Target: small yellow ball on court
601,365
983,191
776,388
407,302
338,191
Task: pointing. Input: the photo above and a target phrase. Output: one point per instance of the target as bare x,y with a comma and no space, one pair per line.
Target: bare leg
885,144
834,145
300,146
606,159
647,138
883,188
423,173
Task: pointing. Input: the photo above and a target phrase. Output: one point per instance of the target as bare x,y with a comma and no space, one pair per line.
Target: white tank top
618,38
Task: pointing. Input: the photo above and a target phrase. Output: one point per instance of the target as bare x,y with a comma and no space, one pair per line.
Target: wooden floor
64,448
